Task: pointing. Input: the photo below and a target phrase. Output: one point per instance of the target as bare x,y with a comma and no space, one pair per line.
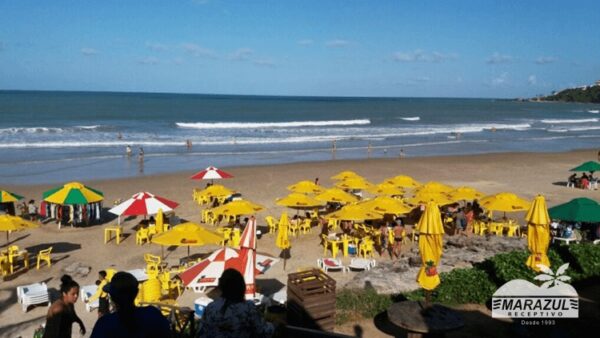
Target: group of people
229,315
583,182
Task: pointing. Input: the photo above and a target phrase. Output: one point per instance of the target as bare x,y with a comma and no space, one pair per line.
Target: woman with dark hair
231,315
61,315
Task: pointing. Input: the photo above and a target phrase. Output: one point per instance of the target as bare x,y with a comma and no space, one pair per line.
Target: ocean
53,137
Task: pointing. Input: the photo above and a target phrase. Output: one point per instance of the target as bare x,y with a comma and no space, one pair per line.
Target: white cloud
150,60
542,60
305,42
337,43
419,55
156,46
532,80
86,51
498,58
500,80
241,54
196,50
264,62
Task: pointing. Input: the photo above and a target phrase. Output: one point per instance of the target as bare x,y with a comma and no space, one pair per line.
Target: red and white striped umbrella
248,252
207,272
248,238
211,173
143,203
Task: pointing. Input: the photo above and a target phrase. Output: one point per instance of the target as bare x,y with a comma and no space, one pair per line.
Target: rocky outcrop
399,275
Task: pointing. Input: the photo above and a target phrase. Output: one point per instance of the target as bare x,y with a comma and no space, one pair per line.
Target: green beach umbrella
588,166
577,210
73,193
7,196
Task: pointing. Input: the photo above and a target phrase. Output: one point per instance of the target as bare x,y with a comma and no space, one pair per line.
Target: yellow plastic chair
365,248
142,236
333,224
294,228
44,255
272,224
306,226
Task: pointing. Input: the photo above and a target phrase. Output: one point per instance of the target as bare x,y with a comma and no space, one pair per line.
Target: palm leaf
546,269
544,277
562,269
563,278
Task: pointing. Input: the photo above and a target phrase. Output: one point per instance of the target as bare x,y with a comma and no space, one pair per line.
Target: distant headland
583,94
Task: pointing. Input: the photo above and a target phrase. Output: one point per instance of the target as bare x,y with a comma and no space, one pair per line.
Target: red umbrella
143,203
211,173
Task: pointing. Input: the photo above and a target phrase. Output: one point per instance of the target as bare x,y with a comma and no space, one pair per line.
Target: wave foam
242,125
594,111
561,121
49,130
414,118
564,130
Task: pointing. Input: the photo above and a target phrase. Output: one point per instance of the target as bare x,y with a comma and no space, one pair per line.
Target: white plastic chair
361,264
330,264
31,294
86,292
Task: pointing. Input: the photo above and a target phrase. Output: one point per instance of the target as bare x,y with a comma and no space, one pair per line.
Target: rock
389,277
83,271
71,268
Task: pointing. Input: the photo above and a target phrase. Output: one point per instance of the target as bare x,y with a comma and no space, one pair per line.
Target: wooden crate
311,300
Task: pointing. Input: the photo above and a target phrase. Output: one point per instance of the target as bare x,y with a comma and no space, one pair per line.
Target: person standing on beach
401,153
369,149
128,151
61,315
333,147
103,307
398,233
188,143
141,155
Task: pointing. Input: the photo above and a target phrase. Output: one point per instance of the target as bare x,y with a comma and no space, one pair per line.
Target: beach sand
525,174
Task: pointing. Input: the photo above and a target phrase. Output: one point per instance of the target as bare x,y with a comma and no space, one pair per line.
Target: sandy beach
525,174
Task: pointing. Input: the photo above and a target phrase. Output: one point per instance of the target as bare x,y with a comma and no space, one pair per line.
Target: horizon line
258,95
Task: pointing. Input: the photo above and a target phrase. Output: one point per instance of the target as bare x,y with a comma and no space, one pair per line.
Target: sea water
48,137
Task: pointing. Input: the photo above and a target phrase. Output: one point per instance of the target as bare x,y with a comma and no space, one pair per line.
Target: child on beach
101,295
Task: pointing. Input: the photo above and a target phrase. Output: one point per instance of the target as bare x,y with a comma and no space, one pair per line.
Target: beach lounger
31,294
330,264
361,264
86,292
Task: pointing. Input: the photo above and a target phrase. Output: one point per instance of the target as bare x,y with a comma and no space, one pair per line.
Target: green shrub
585,262
351,304
461,286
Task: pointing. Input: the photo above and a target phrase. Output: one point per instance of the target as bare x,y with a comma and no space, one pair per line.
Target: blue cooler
352,249
199,306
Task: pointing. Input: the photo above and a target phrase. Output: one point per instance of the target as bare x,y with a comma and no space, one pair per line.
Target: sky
421,48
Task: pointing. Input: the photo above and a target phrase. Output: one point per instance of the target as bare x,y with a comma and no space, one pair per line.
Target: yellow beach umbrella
73,193
344,175
187,234
216,190
236,208
282,241
355,213
403,181
435,187
464,194
354,183
10,223
430,246
305,187
538,233
336,195
298,200
386,189
386,205
7,196
504,201
425,197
